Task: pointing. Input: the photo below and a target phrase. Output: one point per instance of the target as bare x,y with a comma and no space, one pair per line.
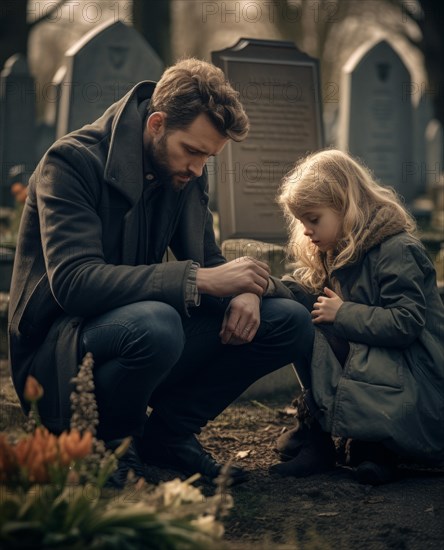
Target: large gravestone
434,154
100,69
422,115
280,89
376,115
17,124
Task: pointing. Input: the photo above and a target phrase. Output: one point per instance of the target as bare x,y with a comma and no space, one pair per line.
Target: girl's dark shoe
373,463
369,451
290,443
316,455
372,473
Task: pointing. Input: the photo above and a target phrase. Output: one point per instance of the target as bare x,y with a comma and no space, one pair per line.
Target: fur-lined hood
385,222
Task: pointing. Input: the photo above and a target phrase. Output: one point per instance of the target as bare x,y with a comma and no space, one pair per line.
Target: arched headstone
376,115
100,69
17,124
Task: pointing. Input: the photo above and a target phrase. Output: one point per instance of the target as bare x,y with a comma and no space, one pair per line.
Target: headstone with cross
376,115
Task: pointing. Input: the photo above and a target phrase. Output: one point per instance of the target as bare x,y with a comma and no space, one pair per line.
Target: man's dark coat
77,253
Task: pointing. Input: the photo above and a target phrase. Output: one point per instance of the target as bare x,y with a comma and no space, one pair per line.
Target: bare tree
153,21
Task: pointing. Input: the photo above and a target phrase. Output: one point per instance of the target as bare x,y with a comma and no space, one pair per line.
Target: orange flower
75,445
33,390
35,453
37,468
22,449
64,457
50,450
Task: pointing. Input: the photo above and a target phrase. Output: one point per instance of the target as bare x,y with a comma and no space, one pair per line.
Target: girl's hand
326,307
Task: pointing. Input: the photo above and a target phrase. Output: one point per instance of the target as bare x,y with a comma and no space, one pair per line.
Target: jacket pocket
40,312
376,366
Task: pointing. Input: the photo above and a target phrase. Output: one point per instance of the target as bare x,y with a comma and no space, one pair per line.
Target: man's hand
326,307
241,320
236,277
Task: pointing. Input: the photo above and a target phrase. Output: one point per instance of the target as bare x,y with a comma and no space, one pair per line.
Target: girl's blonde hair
333,179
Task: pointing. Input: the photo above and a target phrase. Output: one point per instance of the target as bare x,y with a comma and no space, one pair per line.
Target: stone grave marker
434,156
376,115
17,123
46,128
100,69
279,87
422,115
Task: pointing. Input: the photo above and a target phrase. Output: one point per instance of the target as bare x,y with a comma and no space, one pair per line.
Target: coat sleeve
288,287
399,317
68,193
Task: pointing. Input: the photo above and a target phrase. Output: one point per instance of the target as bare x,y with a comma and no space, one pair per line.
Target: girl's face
322,226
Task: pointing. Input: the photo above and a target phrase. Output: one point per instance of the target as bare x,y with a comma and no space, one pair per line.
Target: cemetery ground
320,512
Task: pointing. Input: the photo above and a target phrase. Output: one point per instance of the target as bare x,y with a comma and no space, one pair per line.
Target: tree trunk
153,21
13,29
433,48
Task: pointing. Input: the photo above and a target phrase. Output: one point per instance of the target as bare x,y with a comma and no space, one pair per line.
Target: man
185,337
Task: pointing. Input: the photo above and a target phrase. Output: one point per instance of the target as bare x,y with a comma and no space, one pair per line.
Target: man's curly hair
192,87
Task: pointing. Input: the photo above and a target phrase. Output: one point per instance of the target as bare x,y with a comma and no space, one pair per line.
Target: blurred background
35,36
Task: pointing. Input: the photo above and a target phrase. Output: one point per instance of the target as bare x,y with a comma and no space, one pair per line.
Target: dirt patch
324,511
328,511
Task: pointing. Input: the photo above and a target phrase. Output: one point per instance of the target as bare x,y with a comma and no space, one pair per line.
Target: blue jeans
146,354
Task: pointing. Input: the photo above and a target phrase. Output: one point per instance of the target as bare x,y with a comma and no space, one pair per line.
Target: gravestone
434,154
376,115
100,69
17,124
422,115
280,89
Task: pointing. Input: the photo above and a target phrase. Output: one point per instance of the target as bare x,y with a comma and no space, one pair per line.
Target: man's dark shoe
372,473
316,455
290,443
130,461
186,455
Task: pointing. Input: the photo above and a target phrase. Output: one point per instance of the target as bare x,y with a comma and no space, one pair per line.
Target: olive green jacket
391,388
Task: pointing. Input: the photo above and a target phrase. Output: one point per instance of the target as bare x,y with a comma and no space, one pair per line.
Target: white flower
177,492
208,524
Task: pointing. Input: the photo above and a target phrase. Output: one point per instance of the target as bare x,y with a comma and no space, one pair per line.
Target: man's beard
158,155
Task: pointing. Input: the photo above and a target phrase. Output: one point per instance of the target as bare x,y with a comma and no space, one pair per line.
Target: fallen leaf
431,509
243,454
288,411
328,514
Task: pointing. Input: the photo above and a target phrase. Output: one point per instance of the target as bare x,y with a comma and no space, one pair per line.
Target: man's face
180,155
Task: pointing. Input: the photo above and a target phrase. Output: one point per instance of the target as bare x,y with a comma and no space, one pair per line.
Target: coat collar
124,165
384,223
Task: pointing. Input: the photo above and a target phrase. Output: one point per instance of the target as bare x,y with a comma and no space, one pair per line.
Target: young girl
377,370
